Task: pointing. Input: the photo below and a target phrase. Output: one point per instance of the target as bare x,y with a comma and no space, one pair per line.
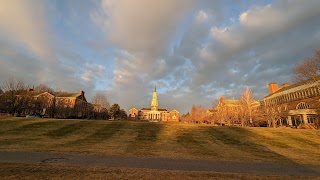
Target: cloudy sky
194,51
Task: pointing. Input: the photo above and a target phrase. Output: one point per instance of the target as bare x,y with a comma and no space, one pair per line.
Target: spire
154,101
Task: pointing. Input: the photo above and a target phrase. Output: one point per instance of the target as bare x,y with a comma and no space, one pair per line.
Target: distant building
133,114
154,113
228,112
298,103
59,104
76,102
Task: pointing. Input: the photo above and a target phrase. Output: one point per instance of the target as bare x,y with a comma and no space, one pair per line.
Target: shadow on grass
26,134
148,132
194,144
12,141
8,124
67,129
243,140
145,139
33,128
105,132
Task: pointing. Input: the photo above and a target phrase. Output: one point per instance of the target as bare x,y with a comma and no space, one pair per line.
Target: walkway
159,163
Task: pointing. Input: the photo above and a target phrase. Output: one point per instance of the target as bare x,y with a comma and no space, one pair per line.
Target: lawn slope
171,140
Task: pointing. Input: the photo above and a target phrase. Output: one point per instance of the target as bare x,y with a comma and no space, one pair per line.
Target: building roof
172,111
30,92
236,102
255,103
296,87
66,94
145,108
232,102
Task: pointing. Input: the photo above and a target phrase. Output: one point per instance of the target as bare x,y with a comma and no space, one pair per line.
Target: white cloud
92,72
141,25
202,16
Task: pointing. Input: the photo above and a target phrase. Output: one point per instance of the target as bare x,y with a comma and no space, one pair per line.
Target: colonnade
154,116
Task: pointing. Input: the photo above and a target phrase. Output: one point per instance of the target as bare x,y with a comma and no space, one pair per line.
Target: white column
305,119
289,121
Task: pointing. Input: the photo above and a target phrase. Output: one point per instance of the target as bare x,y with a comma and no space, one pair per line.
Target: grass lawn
170,140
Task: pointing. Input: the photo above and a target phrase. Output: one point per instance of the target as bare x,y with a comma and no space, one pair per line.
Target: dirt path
159,163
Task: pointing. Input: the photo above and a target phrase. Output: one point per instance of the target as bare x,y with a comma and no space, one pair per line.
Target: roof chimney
222,99
273,87
81,93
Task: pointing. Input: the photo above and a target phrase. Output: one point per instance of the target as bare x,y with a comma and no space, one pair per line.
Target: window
311,119
303,105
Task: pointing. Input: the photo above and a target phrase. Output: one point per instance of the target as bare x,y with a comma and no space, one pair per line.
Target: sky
193,51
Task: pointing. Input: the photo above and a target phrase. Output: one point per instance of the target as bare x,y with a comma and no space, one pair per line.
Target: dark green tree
115,111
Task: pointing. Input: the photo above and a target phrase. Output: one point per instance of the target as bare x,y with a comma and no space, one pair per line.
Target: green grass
107,131
66,130
147,132
170,140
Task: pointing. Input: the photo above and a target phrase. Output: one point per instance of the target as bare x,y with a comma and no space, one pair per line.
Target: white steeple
154,101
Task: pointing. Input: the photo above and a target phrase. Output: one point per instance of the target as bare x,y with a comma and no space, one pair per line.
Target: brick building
56,104
298,104
229,112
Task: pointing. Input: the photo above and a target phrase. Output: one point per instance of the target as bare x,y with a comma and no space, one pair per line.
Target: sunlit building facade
58,104
154,113
298,103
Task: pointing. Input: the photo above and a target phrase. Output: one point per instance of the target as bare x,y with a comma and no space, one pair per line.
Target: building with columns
297,104
154,113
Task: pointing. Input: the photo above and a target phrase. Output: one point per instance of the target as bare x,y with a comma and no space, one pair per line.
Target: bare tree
198,114
185,118
215,102
12,88
273,115
101,100
102,106
43,88
246,100
259,115
308,69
